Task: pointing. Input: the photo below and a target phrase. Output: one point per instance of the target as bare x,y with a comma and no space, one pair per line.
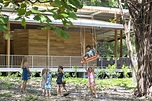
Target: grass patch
6,95
31,97
123,82
6,85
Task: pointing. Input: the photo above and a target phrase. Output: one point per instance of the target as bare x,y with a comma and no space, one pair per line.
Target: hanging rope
81,37
94,36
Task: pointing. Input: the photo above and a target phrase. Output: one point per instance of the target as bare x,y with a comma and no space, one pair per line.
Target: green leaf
56,3
28,13
23,5
23,22
72,15
37,17
42,10
18,18
6,3
76,3
35,10
21,11
4,20
7,36
64,15
1,1
3,28
61,33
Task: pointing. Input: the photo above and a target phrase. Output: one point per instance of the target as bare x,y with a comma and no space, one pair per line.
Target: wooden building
35,42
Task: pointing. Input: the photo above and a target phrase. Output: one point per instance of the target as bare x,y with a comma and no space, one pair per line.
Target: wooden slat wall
2,48
37,42
20,42
67,47
34,42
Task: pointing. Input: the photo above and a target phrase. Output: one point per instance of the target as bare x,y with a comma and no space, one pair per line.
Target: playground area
79,91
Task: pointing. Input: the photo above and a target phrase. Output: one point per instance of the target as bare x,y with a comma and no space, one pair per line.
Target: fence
42,61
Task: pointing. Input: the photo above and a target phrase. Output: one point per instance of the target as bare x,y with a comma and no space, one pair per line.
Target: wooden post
83,40
48,48
8,47
120,43
116,38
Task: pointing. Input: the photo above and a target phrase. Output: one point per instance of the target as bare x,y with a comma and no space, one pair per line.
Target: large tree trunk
141,13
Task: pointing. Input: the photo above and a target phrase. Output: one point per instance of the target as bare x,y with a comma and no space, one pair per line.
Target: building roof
88,17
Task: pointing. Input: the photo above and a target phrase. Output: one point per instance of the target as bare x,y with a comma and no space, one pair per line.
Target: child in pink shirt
91,80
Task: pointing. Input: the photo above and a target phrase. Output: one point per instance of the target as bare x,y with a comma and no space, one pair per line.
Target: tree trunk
128,41
141,13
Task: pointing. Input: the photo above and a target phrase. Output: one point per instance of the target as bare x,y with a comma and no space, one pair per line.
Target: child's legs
43,90
64,87
23,86
49,92
91,90
94,90
59,90
24,83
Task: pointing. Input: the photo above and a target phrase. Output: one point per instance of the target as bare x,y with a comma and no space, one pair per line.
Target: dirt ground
10,92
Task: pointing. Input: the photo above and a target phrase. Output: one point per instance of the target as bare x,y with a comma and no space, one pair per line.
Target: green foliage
99,72
103,3
7,85
107,48
124,82
33,74
5,95
3,22
67,74
126,70
31,97
75,71
7,36
63,10
111,71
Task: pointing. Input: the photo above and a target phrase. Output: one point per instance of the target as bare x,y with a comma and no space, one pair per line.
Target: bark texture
141,13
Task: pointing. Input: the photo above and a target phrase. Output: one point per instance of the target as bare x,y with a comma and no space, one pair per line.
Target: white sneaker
96,96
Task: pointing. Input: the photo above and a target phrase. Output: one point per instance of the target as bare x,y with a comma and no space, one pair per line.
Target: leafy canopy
63,10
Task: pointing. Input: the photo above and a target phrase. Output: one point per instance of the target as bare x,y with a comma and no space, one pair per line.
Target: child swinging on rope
89,54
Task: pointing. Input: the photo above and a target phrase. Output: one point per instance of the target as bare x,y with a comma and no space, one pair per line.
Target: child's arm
51,78
28,70
93,66
85,67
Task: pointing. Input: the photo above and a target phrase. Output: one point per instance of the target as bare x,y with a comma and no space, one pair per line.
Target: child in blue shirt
25,75
90,52
48,83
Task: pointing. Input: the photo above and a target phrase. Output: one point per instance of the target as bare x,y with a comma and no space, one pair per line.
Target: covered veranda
94,19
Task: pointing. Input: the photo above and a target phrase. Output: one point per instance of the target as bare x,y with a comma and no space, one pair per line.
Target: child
91,79
59,80
48,83
90,52
25,74
43,81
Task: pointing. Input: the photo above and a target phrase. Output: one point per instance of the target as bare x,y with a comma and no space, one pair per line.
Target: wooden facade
2,51
34,42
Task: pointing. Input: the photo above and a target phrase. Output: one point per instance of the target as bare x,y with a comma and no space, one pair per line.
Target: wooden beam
116,38
8,47
83,40
48,48
121,43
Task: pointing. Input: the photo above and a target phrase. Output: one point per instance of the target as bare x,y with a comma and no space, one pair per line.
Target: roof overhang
88,17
